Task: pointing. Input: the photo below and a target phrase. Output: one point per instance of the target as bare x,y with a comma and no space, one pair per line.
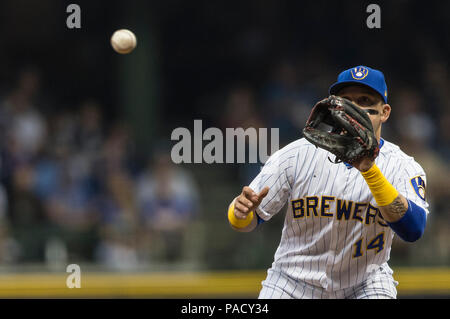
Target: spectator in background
22,121
411,116
29,224
119,222
89,131
288,102
9,248
241,111
59,148
3,205
436,82
117,151
167,199
75,144
64,185
437,93
115,202
415,132
70,210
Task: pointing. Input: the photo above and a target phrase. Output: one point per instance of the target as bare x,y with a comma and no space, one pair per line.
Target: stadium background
86,175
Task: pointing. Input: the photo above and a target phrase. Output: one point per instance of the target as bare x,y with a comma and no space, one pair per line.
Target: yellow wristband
383,192
239,223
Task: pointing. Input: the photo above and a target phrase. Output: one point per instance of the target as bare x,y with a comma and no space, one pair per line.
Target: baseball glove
351,136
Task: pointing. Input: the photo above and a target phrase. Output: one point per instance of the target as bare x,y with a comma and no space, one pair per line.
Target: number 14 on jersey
376,243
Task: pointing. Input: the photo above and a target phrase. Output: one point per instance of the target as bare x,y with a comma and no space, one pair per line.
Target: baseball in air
123,41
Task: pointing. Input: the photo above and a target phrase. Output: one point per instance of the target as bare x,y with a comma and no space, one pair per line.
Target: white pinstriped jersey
333,234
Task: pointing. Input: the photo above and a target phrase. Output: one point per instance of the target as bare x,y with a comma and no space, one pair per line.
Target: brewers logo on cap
359,73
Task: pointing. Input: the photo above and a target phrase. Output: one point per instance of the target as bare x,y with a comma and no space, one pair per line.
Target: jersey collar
381,145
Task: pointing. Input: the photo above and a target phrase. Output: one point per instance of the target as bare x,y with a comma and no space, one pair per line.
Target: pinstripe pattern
379,285
317,256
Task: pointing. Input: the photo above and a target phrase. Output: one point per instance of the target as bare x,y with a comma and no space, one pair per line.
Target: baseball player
347,198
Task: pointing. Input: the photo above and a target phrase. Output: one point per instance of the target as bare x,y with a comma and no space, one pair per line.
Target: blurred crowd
73,188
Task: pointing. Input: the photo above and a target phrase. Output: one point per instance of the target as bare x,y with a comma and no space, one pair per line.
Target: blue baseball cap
362,75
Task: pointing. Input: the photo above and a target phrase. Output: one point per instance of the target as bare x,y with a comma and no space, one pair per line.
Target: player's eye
365,101
372,112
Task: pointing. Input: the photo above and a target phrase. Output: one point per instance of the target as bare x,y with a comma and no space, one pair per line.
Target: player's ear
385,112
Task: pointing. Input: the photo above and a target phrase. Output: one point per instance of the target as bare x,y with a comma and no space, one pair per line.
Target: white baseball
123,41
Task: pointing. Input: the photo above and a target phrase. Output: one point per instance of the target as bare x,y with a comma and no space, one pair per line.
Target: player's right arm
242,210
270,189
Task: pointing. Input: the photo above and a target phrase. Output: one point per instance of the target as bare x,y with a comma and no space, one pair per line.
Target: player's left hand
352,138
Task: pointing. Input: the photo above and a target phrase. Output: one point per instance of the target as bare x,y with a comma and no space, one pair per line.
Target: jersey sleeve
278,175
411,183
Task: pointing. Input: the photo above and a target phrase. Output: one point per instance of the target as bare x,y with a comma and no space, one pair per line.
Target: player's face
371,102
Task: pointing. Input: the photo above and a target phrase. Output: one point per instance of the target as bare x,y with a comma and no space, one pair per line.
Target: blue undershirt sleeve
412,225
